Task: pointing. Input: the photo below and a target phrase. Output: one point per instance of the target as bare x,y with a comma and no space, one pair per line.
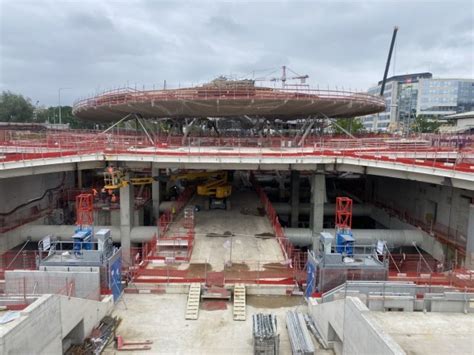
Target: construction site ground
248,230
160,318
236,241
429,333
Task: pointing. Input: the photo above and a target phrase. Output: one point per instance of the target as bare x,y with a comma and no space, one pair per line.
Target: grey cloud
91,45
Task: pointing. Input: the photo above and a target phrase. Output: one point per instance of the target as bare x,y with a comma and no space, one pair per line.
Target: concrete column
470,238
79,178
155,195
318,198
281,188
295,197
127,202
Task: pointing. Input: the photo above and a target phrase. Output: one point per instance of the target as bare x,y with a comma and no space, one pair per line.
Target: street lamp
59,101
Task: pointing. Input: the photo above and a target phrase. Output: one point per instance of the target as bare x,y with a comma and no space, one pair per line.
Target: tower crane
284,77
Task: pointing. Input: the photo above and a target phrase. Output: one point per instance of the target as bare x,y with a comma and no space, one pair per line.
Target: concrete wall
37,331
44,324
420,198
427,242
86,283
89,312
362,334
329,314
350,320
15,191
18,190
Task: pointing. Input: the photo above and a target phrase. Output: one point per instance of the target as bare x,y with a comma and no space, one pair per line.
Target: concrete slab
243,246
429,333
160,318
246,247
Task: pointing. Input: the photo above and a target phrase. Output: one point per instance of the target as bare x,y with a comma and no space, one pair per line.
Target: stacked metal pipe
300,339
266,340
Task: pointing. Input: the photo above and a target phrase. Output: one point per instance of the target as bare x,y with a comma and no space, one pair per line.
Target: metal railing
413,152
128,95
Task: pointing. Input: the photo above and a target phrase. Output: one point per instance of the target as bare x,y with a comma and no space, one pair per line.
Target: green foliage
425,125
15,108
351,125
51,114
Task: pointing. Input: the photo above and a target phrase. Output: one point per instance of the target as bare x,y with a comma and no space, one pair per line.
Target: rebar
300,339
265,334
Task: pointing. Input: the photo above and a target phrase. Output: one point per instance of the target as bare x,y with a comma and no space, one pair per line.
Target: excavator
214,184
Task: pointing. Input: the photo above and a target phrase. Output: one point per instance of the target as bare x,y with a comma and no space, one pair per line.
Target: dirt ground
160,318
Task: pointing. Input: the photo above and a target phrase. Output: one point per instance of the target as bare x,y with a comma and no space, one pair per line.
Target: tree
15,108
51,114
425,125
351,125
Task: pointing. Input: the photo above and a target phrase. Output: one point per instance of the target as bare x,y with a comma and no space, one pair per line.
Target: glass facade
440,97
409,96
381,121
407,101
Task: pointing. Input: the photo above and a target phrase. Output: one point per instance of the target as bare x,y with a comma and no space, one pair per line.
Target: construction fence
425,151
258,272
296,258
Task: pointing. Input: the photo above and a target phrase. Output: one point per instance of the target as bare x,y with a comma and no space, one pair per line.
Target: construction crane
387,65
283,78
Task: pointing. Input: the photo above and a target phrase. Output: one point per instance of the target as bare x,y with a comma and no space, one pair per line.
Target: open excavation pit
241,246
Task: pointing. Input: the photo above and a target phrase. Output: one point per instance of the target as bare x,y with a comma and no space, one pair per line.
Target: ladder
194,297
239,311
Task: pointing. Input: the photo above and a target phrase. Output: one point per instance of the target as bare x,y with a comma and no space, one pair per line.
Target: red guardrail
127,96
295,257
423,153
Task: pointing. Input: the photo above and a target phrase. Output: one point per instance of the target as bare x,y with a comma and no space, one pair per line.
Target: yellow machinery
115,179
215,184
218,190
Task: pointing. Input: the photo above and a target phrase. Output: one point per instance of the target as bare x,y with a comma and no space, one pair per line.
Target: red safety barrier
295,257
439,152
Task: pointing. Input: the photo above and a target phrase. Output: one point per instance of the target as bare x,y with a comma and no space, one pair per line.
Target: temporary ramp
194,297
239,302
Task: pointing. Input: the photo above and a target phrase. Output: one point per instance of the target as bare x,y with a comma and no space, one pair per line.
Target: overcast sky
96,45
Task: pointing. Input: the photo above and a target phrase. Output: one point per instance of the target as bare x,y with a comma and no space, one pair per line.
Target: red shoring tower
84,210
343,213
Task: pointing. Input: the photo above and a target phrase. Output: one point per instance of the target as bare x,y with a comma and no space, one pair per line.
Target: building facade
401,93
419,95
441,97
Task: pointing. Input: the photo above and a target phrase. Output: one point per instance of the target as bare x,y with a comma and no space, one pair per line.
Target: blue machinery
345,242
82,239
